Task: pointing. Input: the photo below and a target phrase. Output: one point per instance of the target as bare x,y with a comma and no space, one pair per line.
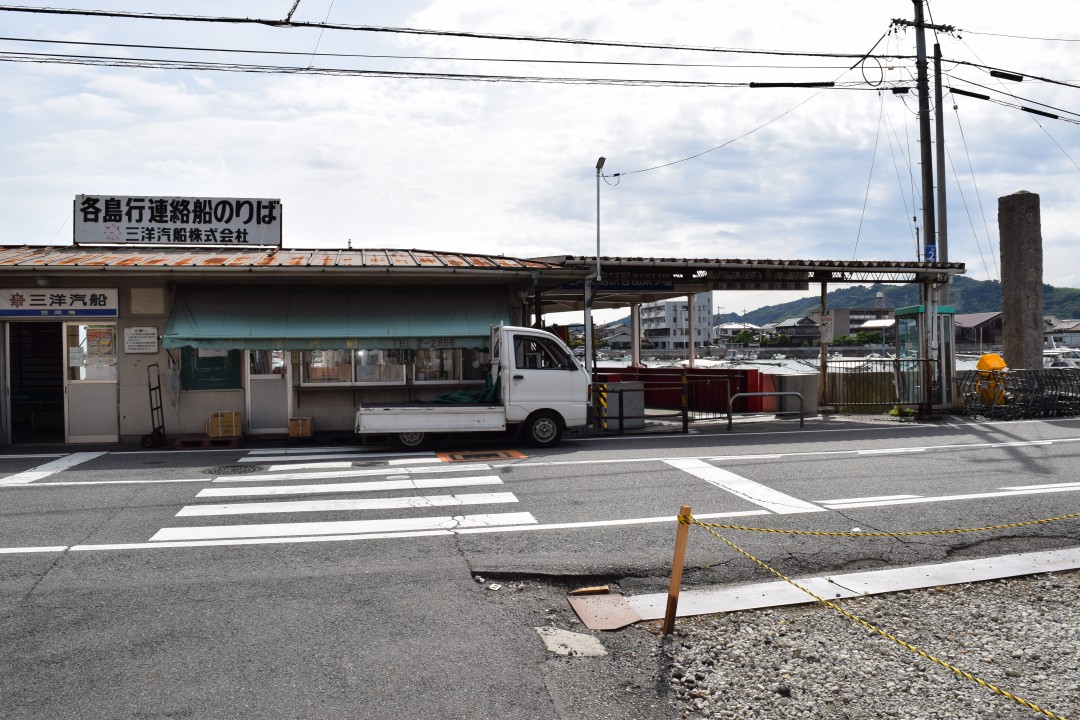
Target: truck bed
426,417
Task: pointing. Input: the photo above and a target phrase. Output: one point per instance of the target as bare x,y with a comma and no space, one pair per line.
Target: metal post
599,168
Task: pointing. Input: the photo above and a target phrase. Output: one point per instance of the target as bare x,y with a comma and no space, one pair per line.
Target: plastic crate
223,423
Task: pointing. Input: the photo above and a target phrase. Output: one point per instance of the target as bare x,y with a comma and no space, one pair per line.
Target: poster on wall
128,220
100,344
140,340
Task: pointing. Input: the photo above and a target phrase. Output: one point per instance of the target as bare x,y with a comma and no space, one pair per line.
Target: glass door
90,389
269,391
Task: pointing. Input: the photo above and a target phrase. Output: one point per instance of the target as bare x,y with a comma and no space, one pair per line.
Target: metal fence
1014,394
666,401
860,383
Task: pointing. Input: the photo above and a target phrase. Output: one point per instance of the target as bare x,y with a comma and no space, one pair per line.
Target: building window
203,369
393,367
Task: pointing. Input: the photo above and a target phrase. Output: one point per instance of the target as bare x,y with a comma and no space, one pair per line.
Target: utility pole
929,342
922,86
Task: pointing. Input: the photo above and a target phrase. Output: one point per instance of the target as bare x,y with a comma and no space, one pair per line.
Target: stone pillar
1020,232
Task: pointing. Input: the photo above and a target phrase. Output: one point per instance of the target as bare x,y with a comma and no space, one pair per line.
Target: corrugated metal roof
55,257
705,263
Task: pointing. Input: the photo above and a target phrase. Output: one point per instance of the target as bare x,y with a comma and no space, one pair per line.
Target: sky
508,168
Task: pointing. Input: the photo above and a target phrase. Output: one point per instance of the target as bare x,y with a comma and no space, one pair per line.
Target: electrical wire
164,64
415,31
870,178
369,56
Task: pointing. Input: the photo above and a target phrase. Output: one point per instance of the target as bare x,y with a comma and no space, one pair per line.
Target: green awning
313,318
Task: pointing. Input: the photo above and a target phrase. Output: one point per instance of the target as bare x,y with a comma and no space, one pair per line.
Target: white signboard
142,340
58,302
124,220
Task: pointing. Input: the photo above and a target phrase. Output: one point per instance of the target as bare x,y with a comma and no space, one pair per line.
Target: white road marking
328,456
342,527
50,468
376,535
74,483
946,498
892,451
861,499
368,486
310,466
1062,486
304,451
749,490
12,551
389,503
410,461
359,472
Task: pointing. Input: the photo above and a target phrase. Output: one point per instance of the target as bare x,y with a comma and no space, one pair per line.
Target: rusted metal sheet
604,612
218,257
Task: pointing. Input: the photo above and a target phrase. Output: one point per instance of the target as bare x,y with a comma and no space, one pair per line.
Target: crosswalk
368,500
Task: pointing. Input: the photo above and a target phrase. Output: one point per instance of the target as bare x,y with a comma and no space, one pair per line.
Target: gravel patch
1021,635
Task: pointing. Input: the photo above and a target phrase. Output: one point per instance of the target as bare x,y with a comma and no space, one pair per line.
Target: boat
1061,357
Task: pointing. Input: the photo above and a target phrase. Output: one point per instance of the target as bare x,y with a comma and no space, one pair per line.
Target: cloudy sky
719,170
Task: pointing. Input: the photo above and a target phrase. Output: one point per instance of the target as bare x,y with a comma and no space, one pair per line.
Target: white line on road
378,536
390,503
368,486
749,490
328,456
342,527
891,451
310,466
50,468
946,498
304,451
841,501
360,472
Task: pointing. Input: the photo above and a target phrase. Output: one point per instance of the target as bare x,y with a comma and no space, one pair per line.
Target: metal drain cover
234,470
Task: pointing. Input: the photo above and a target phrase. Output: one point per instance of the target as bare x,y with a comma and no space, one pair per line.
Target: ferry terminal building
277,333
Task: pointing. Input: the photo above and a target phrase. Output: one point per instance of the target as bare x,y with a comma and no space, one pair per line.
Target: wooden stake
676,571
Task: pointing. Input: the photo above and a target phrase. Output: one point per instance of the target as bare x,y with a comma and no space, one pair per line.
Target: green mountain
965,294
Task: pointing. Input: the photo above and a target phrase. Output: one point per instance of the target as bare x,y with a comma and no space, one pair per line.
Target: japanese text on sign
61,302
113,220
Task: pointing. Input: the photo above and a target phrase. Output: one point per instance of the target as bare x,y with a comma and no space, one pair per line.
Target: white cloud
508,168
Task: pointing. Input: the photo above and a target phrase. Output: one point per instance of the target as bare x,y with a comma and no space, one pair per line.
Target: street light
599,167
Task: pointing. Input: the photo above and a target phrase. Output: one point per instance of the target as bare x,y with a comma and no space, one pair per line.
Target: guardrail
731,401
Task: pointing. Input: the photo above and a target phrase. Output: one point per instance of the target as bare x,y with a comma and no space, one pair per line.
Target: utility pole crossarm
924,26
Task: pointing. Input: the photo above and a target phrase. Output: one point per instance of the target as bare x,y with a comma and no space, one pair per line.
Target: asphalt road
329,582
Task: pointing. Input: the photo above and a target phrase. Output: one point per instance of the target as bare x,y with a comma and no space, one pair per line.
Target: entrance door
269,391
90,382
34,382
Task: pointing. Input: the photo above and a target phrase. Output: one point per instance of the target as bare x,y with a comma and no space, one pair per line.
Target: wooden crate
224,423
301,427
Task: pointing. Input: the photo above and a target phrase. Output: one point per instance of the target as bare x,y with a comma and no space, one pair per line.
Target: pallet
187,442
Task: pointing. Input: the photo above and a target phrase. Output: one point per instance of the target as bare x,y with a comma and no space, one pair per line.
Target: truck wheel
412,440
543,429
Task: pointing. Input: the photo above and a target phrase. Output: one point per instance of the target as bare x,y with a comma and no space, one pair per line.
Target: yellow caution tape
910,533
690,520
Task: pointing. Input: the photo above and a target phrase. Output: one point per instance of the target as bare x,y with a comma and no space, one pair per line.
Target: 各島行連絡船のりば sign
127,220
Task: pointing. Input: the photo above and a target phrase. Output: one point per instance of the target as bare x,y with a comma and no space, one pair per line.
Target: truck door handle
519,377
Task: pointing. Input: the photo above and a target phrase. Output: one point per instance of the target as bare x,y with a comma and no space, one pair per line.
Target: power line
370,56
164,64
269,22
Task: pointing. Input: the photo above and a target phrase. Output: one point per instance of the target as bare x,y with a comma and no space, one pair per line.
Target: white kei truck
535,387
